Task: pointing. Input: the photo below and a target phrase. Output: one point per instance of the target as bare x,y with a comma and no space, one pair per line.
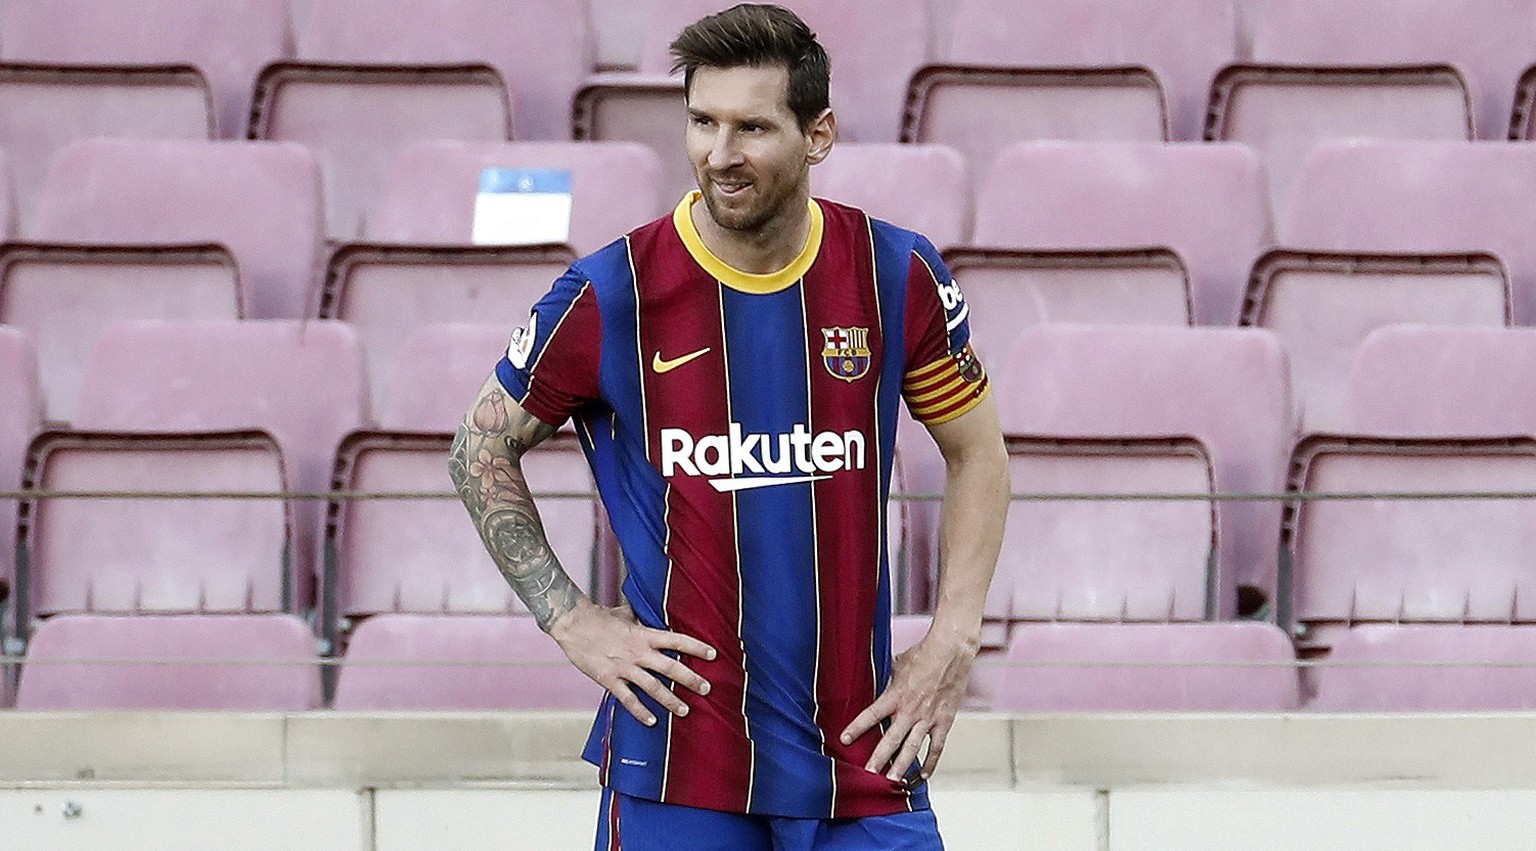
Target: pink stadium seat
1183,45
932,196
1422,381
1422,197
1460,669
226,43
874,48
1413,560
1205,202
519,667
124,555
64,295
301,381
908,630
1227,388
1488,41
1185,667
22,402
280,676
388,291
1323,306
261,201
439,370
429,194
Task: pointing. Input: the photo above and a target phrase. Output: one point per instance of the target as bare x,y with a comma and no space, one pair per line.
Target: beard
763,205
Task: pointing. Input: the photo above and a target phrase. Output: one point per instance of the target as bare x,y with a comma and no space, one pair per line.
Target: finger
681,643
908,755
658,691
677,672
936,738
626,698
889,743
866,720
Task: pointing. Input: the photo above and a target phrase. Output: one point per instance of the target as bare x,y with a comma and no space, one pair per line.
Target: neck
762,250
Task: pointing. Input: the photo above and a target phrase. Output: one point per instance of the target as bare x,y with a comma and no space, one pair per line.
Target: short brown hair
759,34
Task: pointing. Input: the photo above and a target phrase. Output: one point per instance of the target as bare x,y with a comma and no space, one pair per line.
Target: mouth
731,188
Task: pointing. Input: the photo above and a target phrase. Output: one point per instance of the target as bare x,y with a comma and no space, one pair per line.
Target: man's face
749,157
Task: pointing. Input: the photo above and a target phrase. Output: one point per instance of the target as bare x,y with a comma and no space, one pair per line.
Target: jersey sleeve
551,364
943,377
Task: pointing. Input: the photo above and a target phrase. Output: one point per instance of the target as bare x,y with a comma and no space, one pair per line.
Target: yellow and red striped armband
946,388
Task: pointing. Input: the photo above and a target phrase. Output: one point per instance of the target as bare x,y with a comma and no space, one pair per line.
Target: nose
724,153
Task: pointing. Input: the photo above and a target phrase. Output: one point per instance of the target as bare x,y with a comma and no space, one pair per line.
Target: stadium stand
1323,306
21,400
437,373
374,76
301,382
860,174
1422,197
428,197
1423,381
1495,674
1227,388
1206,202
261,201
265,663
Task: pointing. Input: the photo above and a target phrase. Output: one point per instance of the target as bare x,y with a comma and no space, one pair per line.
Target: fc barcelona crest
845,352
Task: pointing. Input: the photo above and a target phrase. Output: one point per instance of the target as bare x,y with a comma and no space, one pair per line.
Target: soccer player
733,371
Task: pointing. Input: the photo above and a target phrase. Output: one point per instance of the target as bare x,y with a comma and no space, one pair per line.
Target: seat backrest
1323,306
1489,41
228,42
429,194
1184,43
542,48
438,372
1456,560
1205,202
1227,388
1107,560
1422,197
261,200
932,197
21,399
290,683
182,555
874,48
1422,381
1473,669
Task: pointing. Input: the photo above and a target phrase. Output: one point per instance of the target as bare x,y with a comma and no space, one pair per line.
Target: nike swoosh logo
660,366
728,485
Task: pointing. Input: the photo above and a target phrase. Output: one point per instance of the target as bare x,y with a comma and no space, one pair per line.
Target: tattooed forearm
485,463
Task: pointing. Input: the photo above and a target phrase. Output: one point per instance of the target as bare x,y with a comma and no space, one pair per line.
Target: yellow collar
747,282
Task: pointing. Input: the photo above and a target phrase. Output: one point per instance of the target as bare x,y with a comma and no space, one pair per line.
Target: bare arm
608,645
928,681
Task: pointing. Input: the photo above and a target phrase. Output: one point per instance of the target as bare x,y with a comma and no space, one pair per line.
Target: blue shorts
627,823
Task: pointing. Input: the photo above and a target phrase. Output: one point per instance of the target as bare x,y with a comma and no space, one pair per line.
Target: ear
822,133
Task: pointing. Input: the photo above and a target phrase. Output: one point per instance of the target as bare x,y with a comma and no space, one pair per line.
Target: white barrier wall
440,782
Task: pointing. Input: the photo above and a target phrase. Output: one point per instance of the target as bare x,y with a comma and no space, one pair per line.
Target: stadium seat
64,295
1404,561
932,196
1422,197
1424,381
301,381
265,663
1448,669
1184,667
1323,306
1205,202
223,43
428,196
874,47
374,76
1227,388
161,556
1489,42
438,371
261,201
466,662
22,402
388,291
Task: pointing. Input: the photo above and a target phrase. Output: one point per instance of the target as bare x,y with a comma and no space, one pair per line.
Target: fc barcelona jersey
740,428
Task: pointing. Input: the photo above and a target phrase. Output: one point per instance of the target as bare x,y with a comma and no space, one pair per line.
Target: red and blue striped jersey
740,428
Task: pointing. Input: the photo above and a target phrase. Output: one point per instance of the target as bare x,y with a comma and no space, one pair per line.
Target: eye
701,120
